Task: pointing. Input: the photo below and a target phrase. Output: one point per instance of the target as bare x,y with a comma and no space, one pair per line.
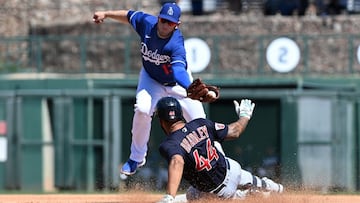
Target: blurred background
67,90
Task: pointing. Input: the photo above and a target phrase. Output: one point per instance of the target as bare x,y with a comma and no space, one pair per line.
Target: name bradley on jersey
193,138
153,56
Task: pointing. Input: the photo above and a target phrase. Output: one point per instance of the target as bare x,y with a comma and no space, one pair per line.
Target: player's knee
141,115
143,109
143,102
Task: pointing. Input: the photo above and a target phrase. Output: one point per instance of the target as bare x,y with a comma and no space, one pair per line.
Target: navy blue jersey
205,166
158,55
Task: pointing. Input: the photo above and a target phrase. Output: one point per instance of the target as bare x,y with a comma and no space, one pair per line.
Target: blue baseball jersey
159,56
205,166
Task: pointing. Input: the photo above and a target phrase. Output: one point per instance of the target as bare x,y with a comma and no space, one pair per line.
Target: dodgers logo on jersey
153,56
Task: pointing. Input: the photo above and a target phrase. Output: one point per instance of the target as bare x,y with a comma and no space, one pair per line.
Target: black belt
218,189
170,84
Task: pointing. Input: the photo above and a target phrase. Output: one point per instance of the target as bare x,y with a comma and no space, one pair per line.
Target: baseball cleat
240,194
272,186
123,176
142,163
129,168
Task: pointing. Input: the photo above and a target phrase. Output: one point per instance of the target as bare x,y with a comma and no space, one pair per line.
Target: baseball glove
202,92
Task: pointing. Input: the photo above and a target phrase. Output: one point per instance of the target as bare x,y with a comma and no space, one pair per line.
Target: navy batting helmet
169,109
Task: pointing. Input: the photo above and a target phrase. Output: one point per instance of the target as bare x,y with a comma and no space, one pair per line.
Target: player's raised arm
119,15
244,110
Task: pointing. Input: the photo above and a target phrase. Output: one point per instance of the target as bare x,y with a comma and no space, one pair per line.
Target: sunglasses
162,20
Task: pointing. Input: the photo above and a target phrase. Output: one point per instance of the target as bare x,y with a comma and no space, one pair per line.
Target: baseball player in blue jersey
164,72
191,154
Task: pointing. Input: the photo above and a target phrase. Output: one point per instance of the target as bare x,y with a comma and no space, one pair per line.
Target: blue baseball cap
171,12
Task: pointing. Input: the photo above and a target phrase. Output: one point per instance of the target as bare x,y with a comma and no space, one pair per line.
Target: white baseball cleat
129,168
272,186
241,194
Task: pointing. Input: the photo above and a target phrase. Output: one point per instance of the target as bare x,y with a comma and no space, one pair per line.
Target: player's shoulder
141,16
177,35
132,14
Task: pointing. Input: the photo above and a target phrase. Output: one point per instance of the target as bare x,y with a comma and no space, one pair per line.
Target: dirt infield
148,197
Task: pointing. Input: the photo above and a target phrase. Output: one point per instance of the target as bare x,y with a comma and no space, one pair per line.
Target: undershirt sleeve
181,75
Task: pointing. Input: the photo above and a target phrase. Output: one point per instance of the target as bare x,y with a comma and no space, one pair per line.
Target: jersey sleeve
132,17
181,75
217,131
220,129
137,20
178,61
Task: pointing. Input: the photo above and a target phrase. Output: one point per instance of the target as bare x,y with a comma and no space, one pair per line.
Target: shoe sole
127,173
141,164
281,188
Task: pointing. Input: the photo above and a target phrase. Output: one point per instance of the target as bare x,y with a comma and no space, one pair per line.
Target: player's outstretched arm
119,15
244,110
175,172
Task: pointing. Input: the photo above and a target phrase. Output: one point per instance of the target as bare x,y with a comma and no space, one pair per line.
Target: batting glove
167,199
245,109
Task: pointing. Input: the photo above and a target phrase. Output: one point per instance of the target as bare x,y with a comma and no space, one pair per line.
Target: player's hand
98,17
167,199
245,109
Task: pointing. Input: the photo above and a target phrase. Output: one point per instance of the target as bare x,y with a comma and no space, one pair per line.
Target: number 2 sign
283,55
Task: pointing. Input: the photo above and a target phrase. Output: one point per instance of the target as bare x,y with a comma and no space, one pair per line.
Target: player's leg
241,183
192,109
254,183
260,184
148,93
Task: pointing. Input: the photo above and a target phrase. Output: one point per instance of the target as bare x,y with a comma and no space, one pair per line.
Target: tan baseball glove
203,92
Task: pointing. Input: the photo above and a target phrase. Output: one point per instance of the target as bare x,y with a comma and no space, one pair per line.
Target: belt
169,84
220,187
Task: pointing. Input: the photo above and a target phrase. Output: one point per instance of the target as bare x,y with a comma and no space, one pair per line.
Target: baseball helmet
169,109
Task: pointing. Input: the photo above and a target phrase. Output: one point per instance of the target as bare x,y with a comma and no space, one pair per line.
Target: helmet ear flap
169,109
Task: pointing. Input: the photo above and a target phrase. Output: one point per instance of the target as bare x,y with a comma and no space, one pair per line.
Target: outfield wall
72,134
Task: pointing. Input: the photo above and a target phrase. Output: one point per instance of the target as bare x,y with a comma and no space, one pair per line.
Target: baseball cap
171,12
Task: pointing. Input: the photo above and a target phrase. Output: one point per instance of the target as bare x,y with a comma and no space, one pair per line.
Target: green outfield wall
73,133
